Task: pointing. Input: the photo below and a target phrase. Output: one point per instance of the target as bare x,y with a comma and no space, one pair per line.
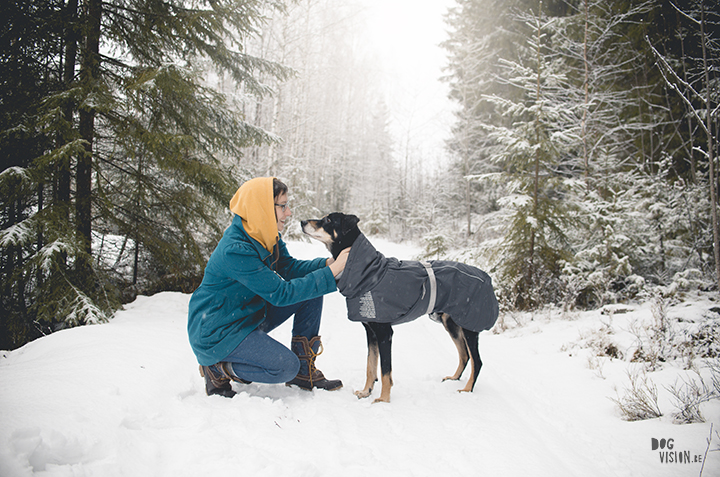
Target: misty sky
406,36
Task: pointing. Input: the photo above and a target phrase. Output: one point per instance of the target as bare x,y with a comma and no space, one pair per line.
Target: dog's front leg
384,333
372,363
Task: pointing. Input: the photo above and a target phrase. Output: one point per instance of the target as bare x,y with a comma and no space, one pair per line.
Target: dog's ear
349,222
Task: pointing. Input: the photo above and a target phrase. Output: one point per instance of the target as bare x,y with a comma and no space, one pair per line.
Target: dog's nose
303,223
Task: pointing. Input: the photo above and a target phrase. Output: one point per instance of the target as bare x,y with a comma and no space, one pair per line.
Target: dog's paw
381,399
450,378
363,394
467,389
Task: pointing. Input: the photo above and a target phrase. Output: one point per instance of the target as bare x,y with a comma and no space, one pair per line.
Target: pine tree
600,58
535,160
481,32
31,39
129,138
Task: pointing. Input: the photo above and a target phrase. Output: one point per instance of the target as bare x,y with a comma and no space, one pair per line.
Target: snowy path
125,398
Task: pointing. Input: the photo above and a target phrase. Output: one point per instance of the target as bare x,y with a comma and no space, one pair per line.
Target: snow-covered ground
125,398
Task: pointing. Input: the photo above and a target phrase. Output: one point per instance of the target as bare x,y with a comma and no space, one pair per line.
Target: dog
381,292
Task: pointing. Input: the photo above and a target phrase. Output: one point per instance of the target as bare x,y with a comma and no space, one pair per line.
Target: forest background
580,170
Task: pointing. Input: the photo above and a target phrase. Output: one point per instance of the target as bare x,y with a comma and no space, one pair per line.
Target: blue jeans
261,359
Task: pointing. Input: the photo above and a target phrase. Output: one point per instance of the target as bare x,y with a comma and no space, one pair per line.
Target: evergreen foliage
601,168
110,131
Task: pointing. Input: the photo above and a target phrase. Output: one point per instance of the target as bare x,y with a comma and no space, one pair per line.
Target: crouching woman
251,286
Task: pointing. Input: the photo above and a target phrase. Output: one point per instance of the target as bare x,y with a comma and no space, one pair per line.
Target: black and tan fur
338,232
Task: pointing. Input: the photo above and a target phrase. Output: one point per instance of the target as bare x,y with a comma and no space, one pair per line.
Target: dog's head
337,231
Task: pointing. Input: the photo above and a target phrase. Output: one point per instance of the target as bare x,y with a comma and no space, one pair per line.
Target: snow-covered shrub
688,396
714,366
599,275
435,246
656,340
705,339
668,338
684,281
374,220
640,400
530,293
673,235
601,343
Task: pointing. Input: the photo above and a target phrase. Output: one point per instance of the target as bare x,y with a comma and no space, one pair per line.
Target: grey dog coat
387,290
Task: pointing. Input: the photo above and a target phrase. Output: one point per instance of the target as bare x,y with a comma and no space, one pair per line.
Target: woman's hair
279,187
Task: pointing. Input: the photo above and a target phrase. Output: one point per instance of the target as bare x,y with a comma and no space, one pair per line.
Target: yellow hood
255,204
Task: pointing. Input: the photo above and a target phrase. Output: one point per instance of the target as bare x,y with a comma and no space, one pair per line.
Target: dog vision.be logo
670,455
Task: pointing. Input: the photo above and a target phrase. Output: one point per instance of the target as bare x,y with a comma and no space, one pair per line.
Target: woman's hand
338,265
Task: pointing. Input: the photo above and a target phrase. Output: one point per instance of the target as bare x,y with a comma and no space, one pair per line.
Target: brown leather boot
309,376
218,377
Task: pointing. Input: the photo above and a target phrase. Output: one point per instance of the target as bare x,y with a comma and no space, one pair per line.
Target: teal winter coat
240,280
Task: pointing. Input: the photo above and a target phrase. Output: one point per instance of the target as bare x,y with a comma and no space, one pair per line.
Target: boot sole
313,387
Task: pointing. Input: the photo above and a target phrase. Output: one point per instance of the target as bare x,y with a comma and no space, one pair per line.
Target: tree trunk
89,73
62,194
536,179
587,99
468,203
691,146
711,155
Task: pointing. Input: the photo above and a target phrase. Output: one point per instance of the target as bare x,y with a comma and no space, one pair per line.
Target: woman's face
282,211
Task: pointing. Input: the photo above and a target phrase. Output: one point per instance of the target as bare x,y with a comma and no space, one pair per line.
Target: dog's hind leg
384,333
471,337
458,337
372,362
